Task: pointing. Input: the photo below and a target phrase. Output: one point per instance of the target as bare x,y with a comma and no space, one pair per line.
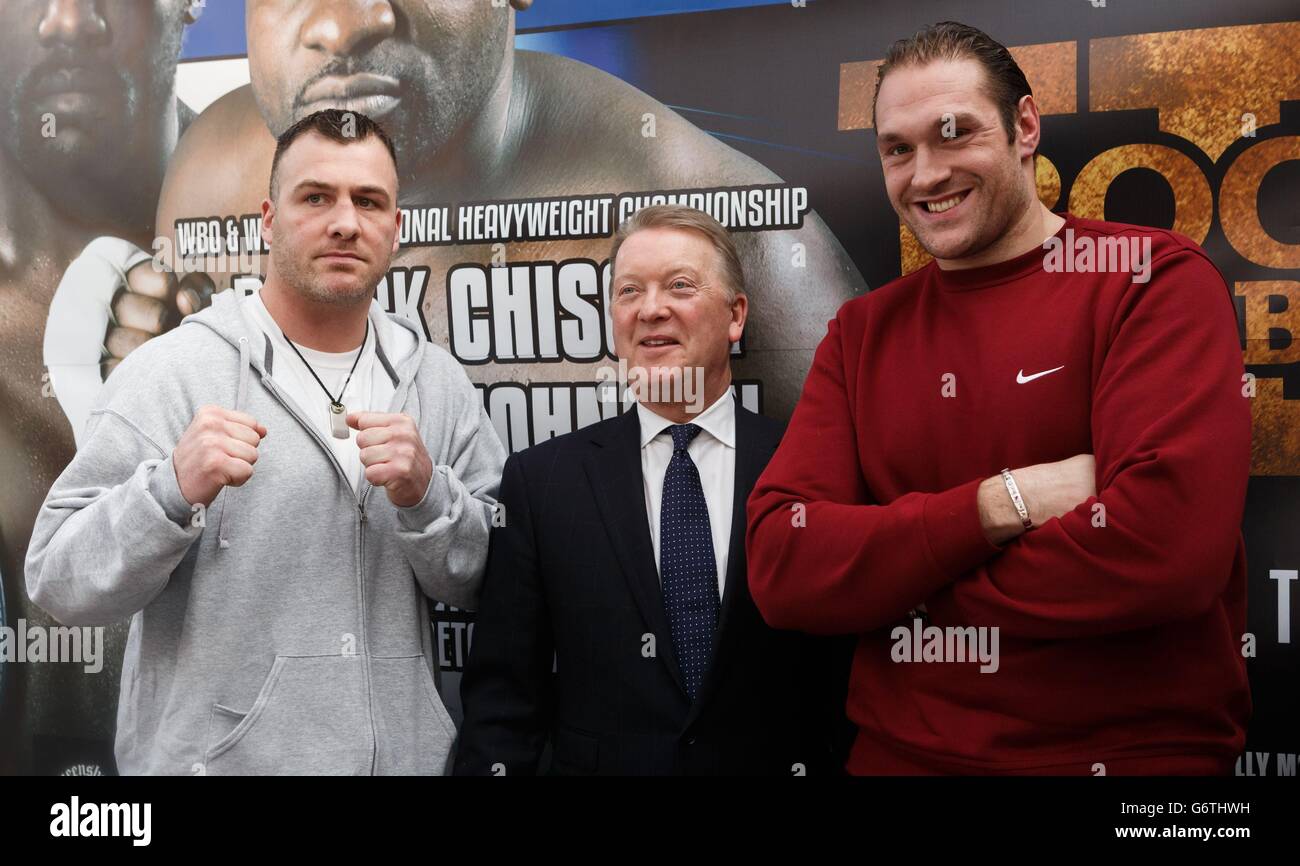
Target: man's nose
654,306
72,22
343,220
344,27
929,171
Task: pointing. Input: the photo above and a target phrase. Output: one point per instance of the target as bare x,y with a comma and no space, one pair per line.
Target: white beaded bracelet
1016,499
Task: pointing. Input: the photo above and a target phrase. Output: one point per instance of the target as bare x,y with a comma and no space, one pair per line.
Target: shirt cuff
952,528
437,496
166,491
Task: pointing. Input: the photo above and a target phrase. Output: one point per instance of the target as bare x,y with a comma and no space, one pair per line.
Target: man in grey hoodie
223,499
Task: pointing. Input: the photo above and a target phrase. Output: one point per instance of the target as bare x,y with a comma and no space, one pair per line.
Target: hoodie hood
225,317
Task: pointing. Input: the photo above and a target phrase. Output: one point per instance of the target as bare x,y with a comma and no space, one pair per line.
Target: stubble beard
988,226
299,278
94,174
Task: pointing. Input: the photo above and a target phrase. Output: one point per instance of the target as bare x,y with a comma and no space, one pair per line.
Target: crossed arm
1171,439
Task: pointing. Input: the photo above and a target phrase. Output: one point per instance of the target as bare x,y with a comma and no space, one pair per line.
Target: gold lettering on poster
1260,320
1200,81
1193,202
1275,432
1275,437
1239,204
1049,67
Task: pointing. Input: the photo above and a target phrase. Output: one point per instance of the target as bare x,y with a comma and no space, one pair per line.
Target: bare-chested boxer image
474,120
88,120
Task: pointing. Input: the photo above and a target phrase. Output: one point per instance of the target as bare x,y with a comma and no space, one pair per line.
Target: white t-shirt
370,390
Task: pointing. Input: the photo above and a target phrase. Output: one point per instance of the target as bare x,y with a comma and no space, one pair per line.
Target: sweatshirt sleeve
1171,437
445,535
111,530
823,556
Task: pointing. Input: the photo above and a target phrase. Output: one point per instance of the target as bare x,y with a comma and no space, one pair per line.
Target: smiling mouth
658,342
945,204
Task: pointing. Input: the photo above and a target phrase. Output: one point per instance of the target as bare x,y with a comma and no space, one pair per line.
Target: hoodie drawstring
245,366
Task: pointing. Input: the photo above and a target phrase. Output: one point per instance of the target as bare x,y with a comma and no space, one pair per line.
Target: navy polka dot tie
687,568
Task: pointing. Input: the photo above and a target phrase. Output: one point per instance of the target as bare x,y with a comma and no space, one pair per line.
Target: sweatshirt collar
225,317
1022,265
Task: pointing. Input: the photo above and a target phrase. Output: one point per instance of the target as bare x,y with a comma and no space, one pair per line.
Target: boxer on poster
224,499
478,120
90,118
1106,562
621,560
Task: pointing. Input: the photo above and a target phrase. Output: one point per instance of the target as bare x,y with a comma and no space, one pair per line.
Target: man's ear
268,221
1029,128
193,9
739,313
397,236
521,5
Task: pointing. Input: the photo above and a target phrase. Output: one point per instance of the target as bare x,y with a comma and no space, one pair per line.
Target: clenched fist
112,298
217,450
394,455
149,303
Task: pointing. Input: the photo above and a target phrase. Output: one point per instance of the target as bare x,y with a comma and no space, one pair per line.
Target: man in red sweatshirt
1082,612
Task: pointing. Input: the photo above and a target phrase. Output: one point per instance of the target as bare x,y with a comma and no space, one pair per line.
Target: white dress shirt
714,452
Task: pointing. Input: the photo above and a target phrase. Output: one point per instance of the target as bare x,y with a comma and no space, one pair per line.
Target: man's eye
682,285
898,150
366,203
315,198
627,290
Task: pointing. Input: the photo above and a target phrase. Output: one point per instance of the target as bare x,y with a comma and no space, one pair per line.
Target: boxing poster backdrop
147,133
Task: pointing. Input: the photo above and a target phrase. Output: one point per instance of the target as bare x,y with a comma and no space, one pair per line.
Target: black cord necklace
338,412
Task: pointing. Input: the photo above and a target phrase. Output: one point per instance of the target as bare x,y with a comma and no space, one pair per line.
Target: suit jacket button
691,741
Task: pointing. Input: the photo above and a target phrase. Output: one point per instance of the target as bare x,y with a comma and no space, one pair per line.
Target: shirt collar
719,421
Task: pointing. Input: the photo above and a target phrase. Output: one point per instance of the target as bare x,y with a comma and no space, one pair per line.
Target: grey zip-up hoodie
285,629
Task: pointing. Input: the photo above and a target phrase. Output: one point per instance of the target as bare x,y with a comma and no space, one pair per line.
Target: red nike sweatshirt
1119,624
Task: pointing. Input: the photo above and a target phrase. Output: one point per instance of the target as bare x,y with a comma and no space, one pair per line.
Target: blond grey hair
677,216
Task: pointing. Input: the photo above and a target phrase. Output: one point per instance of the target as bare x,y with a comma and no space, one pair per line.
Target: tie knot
682,435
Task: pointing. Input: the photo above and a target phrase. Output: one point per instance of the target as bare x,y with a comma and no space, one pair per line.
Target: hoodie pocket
309,718
415,731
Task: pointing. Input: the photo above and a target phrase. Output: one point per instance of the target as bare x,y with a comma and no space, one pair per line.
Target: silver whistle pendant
339,420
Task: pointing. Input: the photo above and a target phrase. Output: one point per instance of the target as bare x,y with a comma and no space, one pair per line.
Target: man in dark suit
616,624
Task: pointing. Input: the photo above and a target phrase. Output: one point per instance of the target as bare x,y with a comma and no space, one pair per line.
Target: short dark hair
335,124
1004,81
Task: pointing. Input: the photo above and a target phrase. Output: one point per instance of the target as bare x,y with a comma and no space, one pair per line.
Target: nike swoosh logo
1021,378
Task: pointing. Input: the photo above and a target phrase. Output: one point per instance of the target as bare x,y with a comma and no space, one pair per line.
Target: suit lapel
614,472
753,450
